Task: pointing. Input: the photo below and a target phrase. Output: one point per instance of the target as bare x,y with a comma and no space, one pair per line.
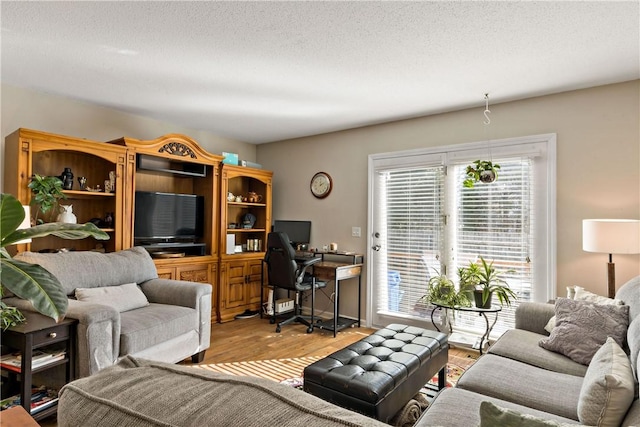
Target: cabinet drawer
51,335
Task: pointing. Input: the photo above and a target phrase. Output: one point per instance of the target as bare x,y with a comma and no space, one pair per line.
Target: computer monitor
299,232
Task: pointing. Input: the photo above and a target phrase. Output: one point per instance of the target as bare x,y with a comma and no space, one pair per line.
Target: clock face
321,185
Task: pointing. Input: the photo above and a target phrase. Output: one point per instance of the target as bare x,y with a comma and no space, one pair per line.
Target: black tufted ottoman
379,374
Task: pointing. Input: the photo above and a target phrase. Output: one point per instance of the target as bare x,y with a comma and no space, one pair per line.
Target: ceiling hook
487,111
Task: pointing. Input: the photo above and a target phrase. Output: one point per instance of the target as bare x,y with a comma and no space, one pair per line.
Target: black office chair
285,273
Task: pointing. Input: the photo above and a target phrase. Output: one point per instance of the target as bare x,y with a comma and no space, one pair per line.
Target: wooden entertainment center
174,164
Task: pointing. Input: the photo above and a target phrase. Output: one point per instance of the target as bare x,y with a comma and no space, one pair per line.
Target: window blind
495,221
413,236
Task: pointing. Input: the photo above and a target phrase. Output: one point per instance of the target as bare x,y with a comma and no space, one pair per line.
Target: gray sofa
516,375
123,308
519,375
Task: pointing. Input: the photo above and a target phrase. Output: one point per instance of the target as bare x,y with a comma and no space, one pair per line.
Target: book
42,397
13,361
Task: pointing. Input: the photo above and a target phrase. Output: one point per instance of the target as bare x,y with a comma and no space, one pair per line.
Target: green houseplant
491,282
443,291
481,171
46,191
31,281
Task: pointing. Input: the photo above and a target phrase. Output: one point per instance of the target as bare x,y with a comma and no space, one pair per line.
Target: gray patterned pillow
582,327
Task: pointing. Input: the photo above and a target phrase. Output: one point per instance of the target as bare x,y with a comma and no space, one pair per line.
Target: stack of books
41,398
13,361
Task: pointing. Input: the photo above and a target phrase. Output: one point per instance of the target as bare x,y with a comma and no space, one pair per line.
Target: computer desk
337,266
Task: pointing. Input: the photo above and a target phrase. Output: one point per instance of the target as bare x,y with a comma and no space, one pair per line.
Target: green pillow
495,416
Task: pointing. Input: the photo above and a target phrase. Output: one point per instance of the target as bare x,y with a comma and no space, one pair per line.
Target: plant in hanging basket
481,171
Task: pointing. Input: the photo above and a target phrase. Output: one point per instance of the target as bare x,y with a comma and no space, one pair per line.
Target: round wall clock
321,185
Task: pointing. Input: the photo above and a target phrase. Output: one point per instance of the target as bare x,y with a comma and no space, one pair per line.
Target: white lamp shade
26,223
612,236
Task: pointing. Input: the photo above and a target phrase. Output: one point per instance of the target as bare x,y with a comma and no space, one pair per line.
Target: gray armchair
170,321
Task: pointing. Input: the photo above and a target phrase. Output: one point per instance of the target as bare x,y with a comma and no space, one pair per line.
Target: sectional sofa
522,383
517,383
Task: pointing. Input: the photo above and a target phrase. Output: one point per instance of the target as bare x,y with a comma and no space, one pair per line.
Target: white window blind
423,219
412,211
495,221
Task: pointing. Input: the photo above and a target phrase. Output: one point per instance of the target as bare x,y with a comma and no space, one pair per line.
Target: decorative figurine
67,179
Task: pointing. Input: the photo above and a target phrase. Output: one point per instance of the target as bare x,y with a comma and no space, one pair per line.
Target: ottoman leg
442,378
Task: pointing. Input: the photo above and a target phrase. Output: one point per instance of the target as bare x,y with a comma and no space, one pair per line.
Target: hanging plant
481,171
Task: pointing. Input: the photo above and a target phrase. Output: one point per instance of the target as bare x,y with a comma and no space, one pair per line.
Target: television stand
188,249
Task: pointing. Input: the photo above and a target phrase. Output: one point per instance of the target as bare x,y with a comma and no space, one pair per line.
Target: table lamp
612,236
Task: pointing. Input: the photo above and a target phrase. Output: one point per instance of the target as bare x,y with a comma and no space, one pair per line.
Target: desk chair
285,272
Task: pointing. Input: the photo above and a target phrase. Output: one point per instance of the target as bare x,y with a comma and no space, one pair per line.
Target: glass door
407,235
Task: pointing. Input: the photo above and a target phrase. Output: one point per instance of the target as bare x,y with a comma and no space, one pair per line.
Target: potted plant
443,291
47,190
491,282
31,281
481,171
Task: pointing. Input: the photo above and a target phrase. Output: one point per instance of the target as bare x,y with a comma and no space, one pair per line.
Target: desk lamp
612,236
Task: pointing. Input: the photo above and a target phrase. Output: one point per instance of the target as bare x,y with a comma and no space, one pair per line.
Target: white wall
598,170
27,108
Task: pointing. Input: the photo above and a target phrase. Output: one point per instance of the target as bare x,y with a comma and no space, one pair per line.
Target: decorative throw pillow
123,298
608,388
495,416
582,328
580,293
583,295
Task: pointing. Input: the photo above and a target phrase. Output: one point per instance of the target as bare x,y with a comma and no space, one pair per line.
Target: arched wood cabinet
176,164
228,250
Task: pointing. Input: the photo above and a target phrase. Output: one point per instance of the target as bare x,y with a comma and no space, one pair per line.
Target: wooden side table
39,332
16,416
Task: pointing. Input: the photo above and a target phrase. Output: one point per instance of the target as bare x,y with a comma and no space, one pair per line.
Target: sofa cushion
523,345
455,407
581,294
492,415
143,393
608,388
154,324
123,298
86,269
505,379
582,327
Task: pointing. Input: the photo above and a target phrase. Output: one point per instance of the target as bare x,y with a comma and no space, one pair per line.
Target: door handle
376,248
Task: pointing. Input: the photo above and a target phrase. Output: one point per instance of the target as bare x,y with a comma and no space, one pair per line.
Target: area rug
274,369
289,372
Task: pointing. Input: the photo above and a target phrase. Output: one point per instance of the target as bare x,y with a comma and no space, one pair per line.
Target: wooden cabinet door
194,273
166,272
234,292
254,271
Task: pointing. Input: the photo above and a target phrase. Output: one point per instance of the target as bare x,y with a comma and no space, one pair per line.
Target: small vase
66,215
67,179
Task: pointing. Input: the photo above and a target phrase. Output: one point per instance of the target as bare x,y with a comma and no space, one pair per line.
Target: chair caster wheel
310,329
278,330
272,321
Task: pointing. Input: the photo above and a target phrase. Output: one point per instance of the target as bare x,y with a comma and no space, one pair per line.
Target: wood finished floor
256,339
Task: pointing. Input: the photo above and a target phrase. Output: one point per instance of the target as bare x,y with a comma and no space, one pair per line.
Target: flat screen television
167,217
299,232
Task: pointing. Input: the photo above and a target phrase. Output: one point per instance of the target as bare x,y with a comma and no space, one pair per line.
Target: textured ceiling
267,71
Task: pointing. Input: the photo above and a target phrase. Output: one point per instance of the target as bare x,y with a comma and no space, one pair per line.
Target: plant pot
487,176
477,295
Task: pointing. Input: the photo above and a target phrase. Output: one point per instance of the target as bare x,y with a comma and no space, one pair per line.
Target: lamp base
611,277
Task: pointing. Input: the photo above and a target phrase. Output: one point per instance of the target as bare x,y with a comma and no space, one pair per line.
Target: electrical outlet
355,232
